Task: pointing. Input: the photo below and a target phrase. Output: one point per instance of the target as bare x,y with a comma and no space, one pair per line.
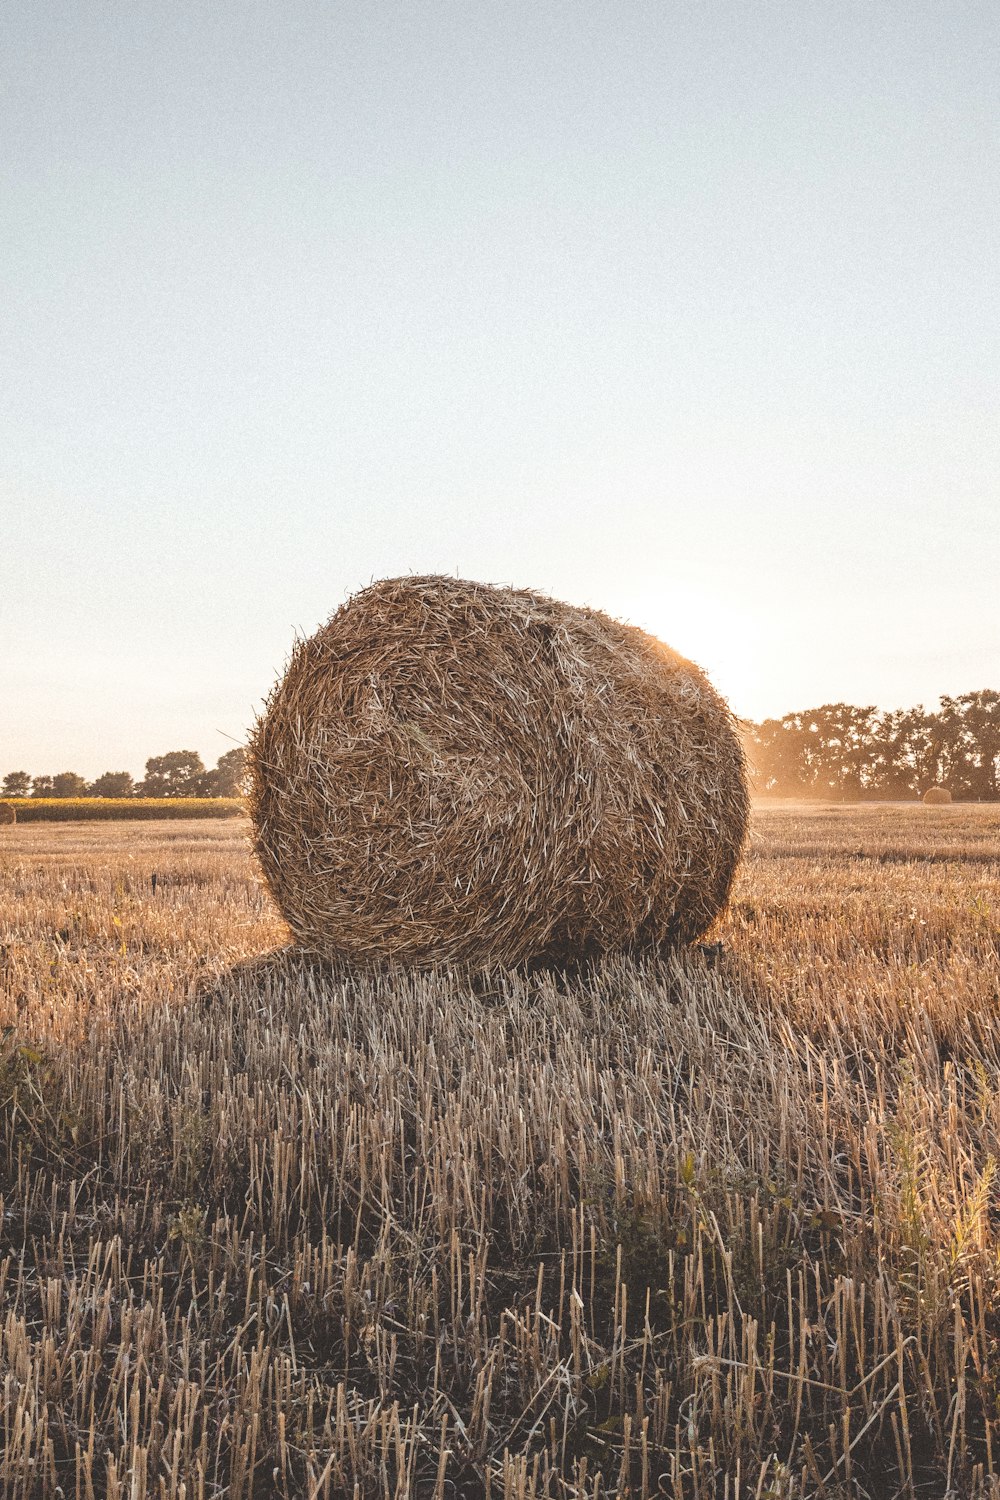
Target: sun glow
722,639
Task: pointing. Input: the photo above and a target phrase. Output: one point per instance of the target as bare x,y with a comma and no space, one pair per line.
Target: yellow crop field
724,1224
104,809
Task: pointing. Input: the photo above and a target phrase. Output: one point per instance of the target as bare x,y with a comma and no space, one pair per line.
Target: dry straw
936,795
7,813
450,772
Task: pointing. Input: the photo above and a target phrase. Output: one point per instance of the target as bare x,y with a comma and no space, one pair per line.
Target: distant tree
41,786
839,754
823,752
842,751
16,784
972,735
775,753
69,784
113,784
226,780
177,774
917,749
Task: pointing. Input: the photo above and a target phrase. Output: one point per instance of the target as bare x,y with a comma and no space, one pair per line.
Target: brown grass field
106,809
725,1225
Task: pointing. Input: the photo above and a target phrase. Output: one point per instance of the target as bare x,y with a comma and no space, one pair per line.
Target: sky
687,311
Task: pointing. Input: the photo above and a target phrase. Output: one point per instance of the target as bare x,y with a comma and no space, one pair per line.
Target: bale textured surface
454,773
8,814
936,795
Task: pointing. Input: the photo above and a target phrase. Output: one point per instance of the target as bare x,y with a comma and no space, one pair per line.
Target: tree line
844,752
837,751
179,773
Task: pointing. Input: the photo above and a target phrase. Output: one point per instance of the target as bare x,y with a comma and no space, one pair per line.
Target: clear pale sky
686,310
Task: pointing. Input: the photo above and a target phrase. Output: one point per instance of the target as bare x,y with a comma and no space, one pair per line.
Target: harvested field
114,809
721,1225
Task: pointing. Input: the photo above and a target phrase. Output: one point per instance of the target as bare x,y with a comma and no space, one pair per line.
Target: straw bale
8,814
936,795
454,773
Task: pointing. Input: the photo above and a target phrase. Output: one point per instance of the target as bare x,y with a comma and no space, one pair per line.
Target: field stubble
726,1224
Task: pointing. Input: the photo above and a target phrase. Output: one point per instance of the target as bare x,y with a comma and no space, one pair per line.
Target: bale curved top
451,772
937,794
8,814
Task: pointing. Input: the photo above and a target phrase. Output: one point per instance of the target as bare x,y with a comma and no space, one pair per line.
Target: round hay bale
8,814
454,773
936,795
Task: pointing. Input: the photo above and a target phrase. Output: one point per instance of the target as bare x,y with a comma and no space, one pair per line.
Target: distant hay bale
454,773
936,795
8,814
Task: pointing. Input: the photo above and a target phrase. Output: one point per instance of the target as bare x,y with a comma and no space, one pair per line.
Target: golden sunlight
723,640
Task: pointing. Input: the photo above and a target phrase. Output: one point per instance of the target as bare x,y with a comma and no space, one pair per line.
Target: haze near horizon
688,313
